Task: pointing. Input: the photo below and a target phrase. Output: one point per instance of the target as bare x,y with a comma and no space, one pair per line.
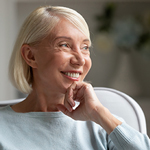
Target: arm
125,137
90,108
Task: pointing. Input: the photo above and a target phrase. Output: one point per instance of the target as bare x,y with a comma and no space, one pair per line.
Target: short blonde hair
37,26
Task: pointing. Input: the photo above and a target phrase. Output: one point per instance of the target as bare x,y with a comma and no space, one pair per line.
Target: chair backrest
118,104
10,102
124,106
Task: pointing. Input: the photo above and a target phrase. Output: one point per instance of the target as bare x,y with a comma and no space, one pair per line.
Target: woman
50,60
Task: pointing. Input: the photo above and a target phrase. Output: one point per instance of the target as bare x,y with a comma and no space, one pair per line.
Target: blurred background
120,33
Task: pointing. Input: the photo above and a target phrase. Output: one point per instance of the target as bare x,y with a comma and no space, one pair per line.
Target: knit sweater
56,131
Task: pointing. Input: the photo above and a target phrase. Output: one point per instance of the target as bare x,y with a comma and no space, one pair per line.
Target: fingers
69,97
81,92
63,109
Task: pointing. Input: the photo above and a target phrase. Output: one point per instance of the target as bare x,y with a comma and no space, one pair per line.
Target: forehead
65,29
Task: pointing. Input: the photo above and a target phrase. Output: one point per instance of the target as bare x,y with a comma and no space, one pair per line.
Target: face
64,59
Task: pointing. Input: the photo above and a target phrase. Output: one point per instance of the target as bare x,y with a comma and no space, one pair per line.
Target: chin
64,89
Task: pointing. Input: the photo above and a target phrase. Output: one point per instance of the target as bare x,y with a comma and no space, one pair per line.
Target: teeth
73,75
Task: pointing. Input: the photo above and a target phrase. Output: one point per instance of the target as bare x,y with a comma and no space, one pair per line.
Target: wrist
104,118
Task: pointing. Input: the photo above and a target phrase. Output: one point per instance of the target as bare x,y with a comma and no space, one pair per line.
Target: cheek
61,59
88,64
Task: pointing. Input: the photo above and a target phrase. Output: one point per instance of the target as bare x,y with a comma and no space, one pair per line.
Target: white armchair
124,106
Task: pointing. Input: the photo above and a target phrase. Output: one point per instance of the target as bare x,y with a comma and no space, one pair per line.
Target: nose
77,59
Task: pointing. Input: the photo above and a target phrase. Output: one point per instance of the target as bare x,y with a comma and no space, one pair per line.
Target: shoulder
6,114
4,110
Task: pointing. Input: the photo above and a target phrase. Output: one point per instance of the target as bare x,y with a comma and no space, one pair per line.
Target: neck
40,102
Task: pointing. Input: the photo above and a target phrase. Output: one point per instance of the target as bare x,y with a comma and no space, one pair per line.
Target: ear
27,53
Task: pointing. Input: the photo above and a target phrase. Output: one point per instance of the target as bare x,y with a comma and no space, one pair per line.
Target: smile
73,75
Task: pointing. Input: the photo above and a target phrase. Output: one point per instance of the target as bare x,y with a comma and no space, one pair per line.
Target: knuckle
88,86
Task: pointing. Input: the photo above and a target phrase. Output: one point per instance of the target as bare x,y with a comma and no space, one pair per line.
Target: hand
83,93
89,108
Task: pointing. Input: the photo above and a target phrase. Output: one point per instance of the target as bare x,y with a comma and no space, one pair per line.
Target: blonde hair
37,26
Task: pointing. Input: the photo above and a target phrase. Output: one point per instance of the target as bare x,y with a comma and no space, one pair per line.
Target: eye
64,45
86,48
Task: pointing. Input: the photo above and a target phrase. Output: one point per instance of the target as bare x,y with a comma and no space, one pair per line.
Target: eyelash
68,46
64,45
86,47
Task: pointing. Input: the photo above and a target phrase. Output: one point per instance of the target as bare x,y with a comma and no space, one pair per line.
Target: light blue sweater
56,131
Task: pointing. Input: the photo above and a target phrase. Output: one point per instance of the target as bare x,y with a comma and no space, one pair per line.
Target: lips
72,74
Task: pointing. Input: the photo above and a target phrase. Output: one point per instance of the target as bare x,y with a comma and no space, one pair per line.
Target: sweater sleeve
125,137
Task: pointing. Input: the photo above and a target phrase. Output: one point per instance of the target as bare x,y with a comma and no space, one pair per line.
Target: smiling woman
50,60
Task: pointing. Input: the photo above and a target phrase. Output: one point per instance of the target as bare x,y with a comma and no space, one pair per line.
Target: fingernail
70,109
73,104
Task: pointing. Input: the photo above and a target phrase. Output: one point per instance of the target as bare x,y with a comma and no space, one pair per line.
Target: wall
7,36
